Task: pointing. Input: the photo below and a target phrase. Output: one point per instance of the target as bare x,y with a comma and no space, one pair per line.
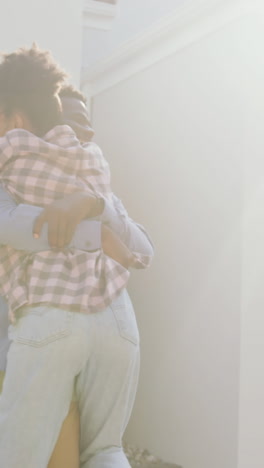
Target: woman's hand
64,215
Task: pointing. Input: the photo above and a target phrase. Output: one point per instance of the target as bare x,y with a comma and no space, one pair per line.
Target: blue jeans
53,353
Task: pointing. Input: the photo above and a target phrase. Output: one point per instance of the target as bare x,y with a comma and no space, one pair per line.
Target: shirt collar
62,135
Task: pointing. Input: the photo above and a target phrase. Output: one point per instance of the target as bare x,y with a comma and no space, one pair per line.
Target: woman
107,370
66,452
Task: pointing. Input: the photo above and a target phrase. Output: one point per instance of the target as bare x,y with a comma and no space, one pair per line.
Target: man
75,114
93,459
23,225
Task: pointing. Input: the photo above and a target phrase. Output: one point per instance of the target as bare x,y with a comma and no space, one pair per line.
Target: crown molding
185,26
99,15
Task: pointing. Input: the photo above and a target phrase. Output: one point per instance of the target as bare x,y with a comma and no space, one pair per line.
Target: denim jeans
53,353
4,343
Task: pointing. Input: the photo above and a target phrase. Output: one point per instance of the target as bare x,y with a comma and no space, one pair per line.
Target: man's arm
113,213
16,228
133,235
17,223
109,210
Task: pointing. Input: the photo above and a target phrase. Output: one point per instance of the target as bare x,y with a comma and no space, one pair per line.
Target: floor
139,458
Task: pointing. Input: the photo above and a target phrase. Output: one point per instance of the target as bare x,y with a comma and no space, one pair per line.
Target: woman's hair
30,81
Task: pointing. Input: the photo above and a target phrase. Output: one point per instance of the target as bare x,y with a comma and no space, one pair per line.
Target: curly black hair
30,81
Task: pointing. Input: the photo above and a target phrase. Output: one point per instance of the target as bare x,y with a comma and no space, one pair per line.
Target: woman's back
38,171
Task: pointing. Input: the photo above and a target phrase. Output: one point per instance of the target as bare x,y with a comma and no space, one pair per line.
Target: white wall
182,138
134,17
251,416
55,25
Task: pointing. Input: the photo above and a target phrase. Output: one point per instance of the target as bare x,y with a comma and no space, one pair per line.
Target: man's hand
64,215
113,247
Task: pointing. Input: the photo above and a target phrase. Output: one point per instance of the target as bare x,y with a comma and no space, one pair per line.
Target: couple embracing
73,333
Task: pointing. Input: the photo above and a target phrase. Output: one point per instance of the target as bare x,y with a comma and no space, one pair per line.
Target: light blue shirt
16,228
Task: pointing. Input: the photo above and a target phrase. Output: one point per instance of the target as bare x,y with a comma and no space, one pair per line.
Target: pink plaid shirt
38,171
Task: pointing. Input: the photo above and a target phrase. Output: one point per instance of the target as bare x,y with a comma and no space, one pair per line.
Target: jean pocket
38,326
125,318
